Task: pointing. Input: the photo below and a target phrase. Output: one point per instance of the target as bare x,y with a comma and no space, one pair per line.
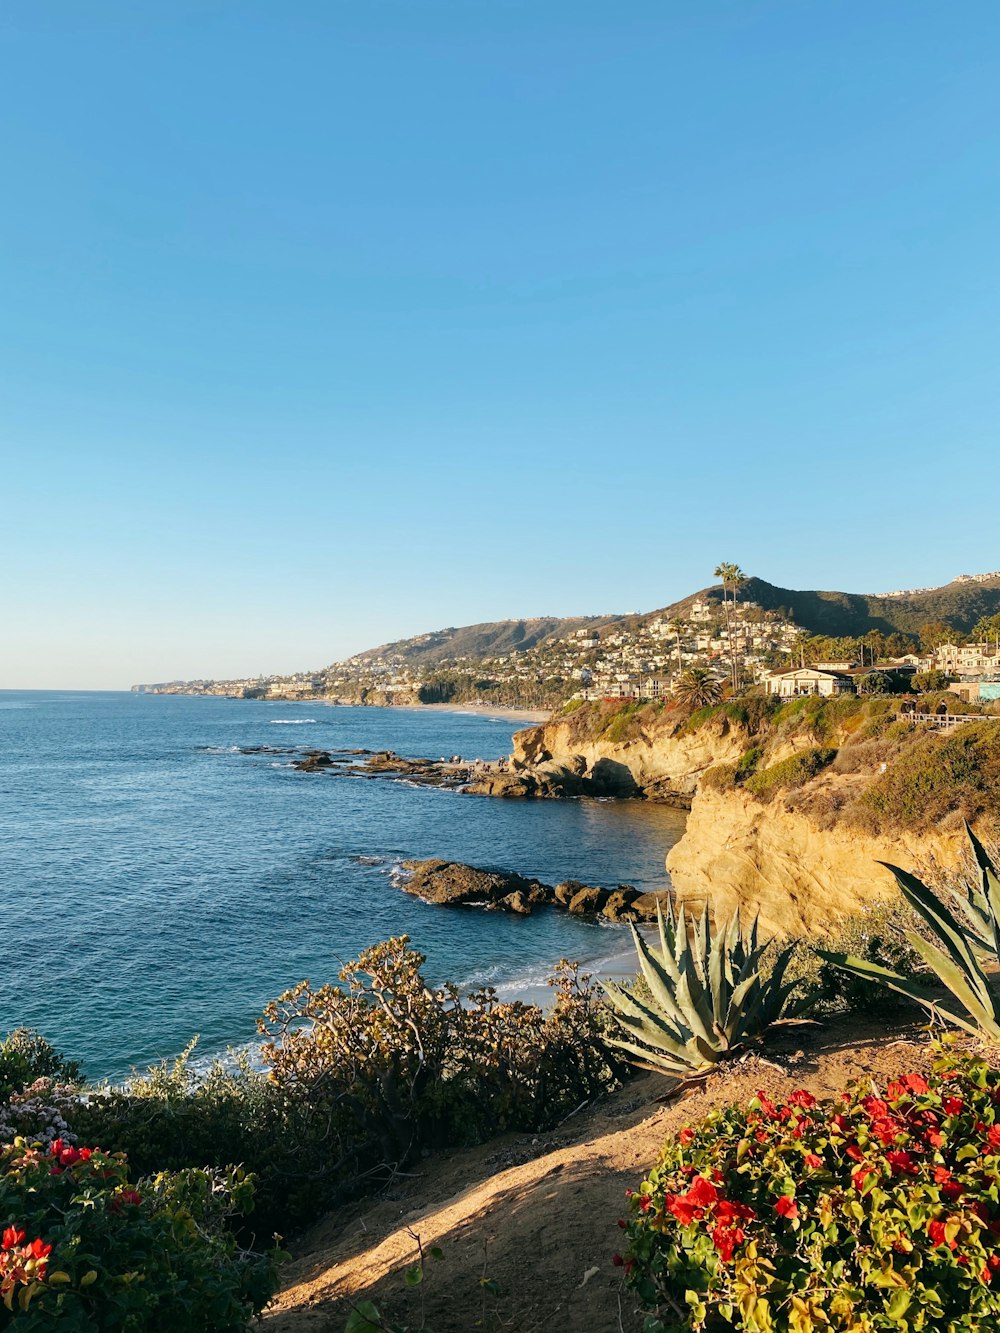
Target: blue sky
323,324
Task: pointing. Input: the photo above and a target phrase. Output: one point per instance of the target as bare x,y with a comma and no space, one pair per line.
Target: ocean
156,883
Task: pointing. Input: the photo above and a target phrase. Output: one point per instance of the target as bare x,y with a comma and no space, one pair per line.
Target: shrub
381,1067
872,1211
25,1056
84,1248
877,934
935,777
792,772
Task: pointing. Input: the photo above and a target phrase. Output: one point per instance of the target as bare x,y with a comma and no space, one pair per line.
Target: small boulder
589,900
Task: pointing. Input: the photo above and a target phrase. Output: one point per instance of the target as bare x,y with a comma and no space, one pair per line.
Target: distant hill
961,604
491,639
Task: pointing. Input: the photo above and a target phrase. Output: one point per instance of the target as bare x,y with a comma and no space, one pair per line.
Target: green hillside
851,614
490,639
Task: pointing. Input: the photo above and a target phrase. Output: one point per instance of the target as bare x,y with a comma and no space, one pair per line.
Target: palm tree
677,627
733,579
697,688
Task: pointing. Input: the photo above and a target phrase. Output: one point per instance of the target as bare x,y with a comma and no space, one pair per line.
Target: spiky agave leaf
954,956
707,993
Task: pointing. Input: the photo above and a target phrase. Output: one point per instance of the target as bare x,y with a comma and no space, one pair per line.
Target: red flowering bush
84,1249
878,1210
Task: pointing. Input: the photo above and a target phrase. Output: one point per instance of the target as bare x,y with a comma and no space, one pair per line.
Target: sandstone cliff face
803,872
803,878
653,761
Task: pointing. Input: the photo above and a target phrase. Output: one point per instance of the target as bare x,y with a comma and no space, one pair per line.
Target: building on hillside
968,659
801,681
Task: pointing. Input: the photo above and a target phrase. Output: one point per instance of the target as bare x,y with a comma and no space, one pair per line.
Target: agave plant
963,946
707,993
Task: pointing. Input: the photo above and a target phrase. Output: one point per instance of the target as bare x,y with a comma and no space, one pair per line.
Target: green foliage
935,776
955,952
620,725
697,688
25,1056
381,1067
878,934
789,773
875,1211
85,1249
707,994
926,681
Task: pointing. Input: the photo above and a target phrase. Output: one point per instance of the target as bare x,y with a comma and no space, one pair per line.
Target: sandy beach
525,715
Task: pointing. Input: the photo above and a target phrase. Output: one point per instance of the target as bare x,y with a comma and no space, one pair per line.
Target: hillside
534,662
489,639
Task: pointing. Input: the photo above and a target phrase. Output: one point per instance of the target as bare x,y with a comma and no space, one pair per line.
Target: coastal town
728,639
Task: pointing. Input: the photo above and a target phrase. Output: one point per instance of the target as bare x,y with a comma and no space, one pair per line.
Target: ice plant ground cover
879,1209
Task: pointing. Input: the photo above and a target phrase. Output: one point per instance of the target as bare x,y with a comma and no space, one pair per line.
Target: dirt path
539,1216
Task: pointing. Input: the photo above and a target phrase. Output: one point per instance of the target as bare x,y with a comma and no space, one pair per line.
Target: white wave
292,721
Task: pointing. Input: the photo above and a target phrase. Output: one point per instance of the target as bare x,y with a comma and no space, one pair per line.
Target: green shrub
81,1247
873,1211
25,1056
877,934
721,777
792,772
937,776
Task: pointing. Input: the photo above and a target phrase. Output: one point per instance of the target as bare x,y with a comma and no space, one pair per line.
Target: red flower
39,1250
11,1237
787,1207
728,1211
811,1160
902,1163
702,1192
859,1177
682,1208
936,1232
685,1137
802,1098
617,1260
886,1130
854,1152
952,1191
993,1137
644,1201
128,1198
936,1139
725,1240
953,1105
876,1107
767,1106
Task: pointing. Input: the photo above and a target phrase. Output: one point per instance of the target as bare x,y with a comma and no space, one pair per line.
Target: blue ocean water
156,883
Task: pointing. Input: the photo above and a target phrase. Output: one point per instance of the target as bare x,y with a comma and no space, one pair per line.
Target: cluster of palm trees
697,687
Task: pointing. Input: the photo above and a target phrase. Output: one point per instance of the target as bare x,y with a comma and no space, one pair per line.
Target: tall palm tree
697,687
733,579
677,627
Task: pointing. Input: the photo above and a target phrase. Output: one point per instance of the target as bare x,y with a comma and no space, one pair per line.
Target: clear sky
325,323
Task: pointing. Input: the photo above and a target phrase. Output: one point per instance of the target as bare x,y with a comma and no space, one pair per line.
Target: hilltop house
826,681
970,659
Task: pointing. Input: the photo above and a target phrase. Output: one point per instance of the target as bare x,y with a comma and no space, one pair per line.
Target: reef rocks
452,884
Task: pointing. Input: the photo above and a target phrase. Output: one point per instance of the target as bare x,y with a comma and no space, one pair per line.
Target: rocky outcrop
802,877
452,884
661,763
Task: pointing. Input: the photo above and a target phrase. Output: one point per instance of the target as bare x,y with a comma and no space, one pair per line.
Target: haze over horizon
325,326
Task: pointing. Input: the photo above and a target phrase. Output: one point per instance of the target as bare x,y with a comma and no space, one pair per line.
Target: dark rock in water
452,884
313,760
609,777
588,900
517,902
619,906
565,892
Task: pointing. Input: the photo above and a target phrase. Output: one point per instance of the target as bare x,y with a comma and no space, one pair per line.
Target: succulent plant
707,993
963,944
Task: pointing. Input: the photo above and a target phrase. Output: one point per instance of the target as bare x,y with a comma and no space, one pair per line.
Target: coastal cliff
792,805
801,877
